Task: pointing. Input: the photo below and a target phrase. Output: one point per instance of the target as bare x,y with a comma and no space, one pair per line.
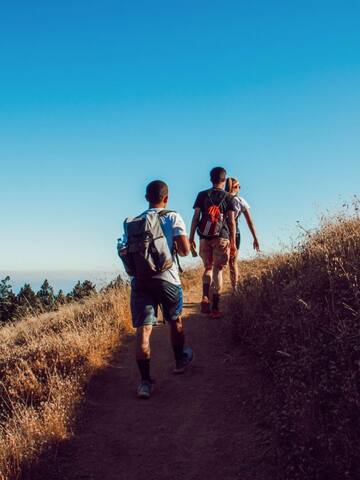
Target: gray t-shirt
173,226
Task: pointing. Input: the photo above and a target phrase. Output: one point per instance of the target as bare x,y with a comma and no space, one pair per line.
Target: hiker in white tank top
241,206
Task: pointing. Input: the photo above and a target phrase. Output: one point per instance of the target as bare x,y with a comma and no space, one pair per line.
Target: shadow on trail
203,424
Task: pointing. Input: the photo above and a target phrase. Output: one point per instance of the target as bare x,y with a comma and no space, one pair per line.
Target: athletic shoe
205,305
145,389
216,313
187,358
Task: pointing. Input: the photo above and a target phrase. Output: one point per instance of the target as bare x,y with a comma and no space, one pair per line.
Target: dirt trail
210,423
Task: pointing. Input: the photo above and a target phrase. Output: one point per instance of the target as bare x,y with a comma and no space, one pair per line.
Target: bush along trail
207,423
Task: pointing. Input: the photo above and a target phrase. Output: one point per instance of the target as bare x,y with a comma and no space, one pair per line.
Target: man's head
157,193
218,177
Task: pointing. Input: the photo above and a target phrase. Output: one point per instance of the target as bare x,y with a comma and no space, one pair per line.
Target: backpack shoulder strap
162,213
222,200
175,254
209,195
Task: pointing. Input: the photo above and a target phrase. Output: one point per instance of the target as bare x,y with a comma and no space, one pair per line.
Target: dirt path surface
210,423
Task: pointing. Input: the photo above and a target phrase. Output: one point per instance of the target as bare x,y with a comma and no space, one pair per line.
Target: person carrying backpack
241,206
148,250
214,221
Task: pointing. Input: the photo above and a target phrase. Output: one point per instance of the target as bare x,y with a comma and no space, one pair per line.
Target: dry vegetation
300,314
45,363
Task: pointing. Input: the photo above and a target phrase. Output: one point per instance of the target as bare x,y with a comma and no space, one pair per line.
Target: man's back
172,226
215,196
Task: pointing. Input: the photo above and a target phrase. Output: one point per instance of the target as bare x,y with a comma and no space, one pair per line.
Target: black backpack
212,218
146,252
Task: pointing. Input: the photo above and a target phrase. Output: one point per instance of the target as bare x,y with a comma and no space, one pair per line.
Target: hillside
272,394
299,313
45,361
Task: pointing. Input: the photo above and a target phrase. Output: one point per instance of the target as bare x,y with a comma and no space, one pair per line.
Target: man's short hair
156,191
218,175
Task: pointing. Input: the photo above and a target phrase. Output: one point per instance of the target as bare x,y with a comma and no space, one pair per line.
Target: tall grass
45,362
300,313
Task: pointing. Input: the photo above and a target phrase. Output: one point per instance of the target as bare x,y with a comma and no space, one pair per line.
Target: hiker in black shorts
241,206
147,250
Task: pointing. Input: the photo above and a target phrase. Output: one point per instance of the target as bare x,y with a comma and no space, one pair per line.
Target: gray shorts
148,295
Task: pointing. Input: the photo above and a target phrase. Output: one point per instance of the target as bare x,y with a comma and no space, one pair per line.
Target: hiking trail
209,423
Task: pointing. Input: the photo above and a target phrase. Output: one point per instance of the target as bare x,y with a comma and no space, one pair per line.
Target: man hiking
241,206
147,249
214,221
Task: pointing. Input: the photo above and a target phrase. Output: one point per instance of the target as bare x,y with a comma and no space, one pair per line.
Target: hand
193,248
233,249
192,243
256,245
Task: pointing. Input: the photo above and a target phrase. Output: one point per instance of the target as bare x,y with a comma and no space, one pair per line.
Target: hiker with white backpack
214,221
148,249
241,207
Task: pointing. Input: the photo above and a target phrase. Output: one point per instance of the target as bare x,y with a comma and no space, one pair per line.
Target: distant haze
64,280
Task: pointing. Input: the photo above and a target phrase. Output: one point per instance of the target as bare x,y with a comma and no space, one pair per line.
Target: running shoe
187,358
145,389
205,305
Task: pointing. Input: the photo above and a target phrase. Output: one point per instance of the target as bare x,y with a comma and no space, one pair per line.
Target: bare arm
232,228
252,229
182,245
194,224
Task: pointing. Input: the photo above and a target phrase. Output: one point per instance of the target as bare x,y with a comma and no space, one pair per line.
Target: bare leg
142,345
207,280
143,342
206,255
216,288
217,280
177,338
234,271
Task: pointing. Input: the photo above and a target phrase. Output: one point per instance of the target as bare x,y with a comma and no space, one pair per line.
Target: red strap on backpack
214,213
212,221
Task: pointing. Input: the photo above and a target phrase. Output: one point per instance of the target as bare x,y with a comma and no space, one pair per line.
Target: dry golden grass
191,278
300,312
45,362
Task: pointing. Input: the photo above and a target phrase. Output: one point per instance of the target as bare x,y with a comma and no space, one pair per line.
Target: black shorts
148,295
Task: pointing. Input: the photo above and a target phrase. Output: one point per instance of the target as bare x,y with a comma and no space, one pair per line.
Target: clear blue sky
99,97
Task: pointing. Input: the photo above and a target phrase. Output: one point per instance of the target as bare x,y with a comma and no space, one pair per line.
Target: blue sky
99,98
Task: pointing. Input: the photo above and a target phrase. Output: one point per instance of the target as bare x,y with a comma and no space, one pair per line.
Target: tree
82,290
46,296
60,298
8,301
117,282
88,288
28,302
